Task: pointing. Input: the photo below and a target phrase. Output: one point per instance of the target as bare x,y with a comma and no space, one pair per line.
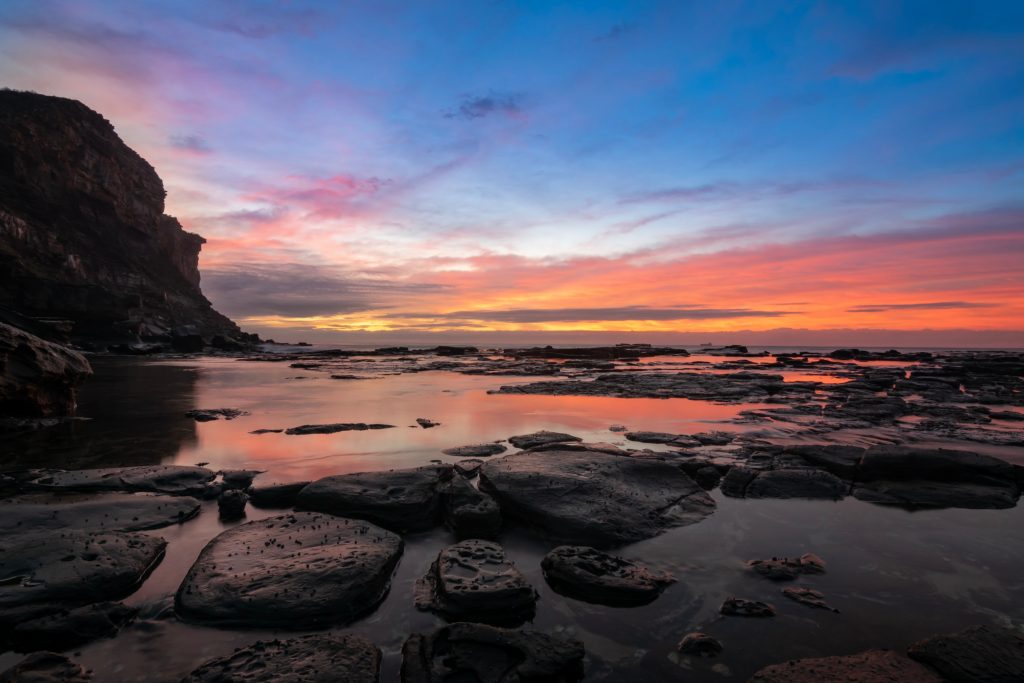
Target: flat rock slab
588,574
335,428
923,494
45,667
470,513
979,654
873,666
477,450
178,480
797,483
302,570
211,414
474,581
485,654
402,500
276,494
541,438
594,498
70,628
48,571
309,659
93,512
681,440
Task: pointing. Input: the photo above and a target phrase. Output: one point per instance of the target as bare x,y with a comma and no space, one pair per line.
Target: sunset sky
780,172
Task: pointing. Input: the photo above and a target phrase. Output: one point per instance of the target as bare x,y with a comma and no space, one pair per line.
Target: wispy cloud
923,306
611,314
479,106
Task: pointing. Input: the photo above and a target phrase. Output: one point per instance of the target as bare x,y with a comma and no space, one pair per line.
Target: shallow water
896,576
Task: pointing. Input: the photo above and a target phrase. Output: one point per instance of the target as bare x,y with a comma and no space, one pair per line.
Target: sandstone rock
541,438
309,659
396,499
334,428
474,652
276,495
979,654
302,570
71,628
593,576
873,666
700,644
470,513
37,378
35,512
182,480
479,450
594,498
45,667
738,607
474,581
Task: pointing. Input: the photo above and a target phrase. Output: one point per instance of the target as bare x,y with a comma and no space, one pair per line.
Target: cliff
83,234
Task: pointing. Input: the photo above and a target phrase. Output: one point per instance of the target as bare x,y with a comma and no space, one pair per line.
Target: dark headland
92,270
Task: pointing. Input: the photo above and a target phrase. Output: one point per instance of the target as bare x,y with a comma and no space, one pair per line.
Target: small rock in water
231,505
617,428
239,479
275,494
210,414
526,441
809,597
738,607
700,644
334,428
593,576
788,568
426,424
478,450
266,431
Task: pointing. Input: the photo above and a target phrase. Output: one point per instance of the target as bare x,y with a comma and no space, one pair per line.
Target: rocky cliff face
83,235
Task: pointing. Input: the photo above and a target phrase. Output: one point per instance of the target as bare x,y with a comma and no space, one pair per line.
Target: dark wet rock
403,500
188,343
680,440
456,350
348,377
698,644
34,512
238,479
45,667
933,464
302,570
979,654
619,351
46,571
231,505
479,450
738,607
275,494
211,414
1009,415
180,480
541,438
736,480
588,574
317,658
594,498
267,431
714,438
921,494
618,428
838,459
585,447
426,424
485,654
788,568
334,428
809,597
468,512
797,483
873,666
468,468
474,581
38,378
70,628
707,477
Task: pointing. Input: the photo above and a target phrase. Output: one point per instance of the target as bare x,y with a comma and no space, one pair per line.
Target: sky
788,172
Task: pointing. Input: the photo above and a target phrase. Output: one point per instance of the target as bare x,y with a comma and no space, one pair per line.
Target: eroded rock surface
788,568
593,576
475,652
474,581
70,628
34,512
873,666
45,667
180,480
470,513
396,499
541,438
698,644
979,654
479,450
275,494
738,607
302,570
809,597
594,498
309,659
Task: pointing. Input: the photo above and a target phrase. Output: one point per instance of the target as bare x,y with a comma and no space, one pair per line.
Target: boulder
979,654
303,570
68,629
402,500
36,512
698,644
45,667
590,575
840,460
873,666
788,568
474,581
594,498
738,607
475,652
46,572
541,438
479,450
796,483
231,505
468,512
276,495
38,378
319,658
238,479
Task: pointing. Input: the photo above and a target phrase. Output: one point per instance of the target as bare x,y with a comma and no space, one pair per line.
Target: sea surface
896,576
